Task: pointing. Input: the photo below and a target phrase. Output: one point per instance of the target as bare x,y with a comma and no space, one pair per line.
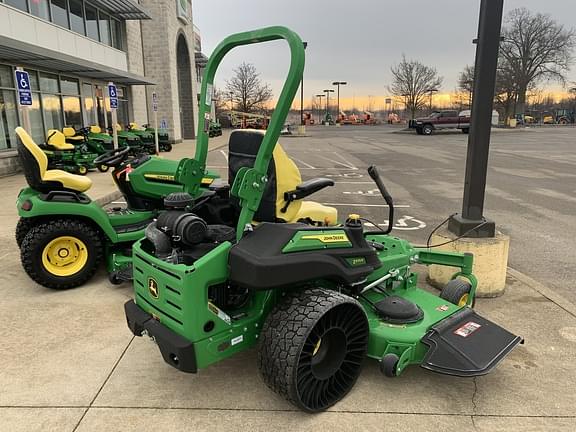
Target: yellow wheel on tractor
61,254
64,256
82,169
457,291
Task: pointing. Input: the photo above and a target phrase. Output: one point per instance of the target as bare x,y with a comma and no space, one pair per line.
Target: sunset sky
357,42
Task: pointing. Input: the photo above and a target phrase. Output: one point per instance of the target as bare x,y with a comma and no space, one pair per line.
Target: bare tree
413,81
536,48
466,82
220,103
246,89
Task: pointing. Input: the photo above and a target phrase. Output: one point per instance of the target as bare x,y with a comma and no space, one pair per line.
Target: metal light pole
339,83
320,96
302,93
480,125
328,91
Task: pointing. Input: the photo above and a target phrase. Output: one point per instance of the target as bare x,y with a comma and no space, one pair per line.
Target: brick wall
133,43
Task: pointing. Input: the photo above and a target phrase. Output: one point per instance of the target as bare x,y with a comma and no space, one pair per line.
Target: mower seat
95,129
35,164
57,141
70,134
282,198
135,127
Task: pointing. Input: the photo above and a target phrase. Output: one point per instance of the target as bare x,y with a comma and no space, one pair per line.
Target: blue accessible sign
23,85
113,94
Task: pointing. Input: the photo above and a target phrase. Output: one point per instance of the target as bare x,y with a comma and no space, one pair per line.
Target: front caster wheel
389,365
457,291
312,347
61,254
103,168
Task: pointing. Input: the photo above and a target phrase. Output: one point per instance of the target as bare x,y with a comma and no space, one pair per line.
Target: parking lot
68,361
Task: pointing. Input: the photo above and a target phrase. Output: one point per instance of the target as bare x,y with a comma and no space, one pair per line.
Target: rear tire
312,347
456,292
166,147
22,227
103,168
427,129
61,254
465,130
82,170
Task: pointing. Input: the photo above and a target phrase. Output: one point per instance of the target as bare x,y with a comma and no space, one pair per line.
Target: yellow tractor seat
57,141
282,198
70,134
39,177
95,129
134,126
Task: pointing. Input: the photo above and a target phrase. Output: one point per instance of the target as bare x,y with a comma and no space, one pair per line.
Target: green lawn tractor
83,141
63,234
132,140
163,137
65,156
316,300
215,129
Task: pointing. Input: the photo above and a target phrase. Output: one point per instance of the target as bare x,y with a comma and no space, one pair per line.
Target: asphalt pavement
69,363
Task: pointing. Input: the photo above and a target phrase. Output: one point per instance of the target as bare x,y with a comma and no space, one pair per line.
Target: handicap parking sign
23,85
113,94
163,124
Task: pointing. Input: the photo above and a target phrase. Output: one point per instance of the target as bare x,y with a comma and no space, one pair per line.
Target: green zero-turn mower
63,234
147,136
65,156
316,300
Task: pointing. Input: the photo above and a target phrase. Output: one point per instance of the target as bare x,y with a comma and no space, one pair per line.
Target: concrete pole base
490,261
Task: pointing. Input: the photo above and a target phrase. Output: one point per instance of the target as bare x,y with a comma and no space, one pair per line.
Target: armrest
304,189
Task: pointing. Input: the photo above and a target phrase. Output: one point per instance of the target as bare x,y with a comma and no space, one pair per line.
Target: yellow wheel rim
82,169
463,300
64,256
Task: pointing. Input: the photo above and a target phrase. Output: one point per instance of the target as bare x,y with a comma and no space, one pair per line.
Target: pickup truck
447,119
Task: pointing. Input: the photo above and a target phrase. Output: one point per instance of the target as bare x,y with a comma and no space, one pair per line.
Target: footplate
467,344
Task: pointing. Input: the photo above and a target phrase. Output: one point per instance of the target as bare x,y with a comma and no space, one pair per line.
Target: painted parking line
405,223
364,205
224,154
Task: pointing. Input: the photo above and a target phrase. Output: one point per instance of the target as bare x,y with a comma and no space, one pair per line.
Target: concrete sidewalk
68,362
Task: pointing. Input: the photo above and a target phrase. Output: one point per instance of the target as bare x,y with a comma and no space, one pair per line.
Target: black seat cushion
243,147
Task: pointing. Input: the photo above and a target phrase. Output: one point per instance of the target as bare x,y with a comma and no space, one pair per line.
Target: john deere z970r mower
316,300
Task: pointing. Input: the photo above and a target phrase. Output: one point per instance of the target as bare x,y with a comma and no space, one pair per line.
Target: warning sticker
443,308
237,340
221,314
467,329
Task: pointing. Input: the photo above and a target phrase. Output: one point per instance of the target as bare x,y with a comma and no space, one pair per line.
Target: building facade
73,48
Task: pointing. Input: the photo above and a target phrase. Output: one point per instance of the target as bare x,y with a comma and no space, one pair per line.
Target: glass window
77,16
104,21
60,13
34,85
40,8
116,32
36,123
49,83
52,111
6,76
18,4
70,86
72,112
8,119
91,22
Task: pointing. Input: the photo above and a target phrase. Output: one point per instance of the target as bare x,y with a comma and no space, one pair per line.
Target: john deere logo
153,287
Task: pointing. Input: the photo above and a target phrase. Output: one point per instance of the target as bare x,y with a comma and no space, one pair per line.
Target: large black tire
465,130
427,129
22,227
166,147
81,249
456,292
82,170
103,168
312,347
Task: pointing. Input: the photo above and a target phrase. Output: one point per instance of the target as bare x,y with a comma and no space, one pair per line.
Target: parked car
447,119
